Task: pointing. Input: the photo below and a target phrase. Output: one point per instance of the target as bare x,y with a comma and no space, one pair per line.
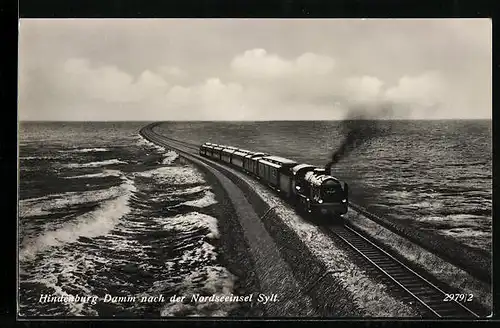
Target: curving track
402,277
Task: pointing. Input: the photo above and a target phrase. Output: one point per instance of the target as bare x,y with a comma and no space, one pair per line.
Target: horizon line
261,120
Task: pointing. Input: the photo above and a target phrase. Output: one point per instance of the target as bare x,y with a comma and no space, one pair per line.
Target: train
309,188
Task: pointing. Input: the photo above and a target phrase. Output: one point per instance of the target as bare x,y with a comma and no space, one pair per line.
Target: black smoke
362,124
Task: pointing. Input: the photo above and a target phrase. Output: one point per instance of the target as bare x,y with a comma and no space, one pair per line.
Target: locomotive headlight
344,200
320,201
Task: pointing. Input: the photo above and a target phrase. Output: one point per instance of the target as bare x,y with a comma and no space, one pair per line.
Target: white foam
169,265
44,205
170,157
207,200
202,253
92,224
89,150
174,175
192,190
461,220
69,265
85,150
95,164
190,221
105,173
28,158
215,280
403,194
28,211
179,192
463,217
141,141
465,233
215,284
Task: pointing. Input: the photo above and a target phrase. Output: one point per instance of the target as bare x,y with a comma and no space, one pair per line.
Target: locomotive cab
300,186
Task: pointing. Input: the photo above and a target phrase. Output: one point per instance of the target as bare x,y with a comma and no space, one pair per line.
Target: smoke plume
361,125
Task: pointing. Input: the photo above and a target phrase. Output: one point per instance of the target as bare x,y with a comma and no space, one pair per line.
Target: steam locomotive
307,187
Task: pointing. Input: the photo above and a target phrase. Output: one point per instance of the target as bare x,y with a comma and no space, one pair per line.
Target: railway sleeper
379,259
374,254
422,291
439,304
361,245
392,268
433,298
403,277
389,264
415,285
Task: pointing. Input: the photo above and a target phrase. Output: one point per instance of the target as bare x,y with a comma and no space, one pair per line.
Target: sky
254,69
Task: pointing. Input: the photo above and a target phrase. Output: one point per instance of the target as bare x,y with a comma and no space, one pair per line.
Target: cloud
257,63
171,71
363,88
108,83
316,90
214,99
314,64
209,100
425,89
424,96
316,84
263,86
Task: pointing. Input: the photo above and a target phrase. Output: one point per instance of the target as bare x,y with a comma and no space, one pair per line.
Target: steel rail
421,289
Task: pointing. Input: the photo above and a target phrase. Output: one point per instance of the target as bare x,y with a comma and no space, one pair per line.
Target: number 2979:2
458,297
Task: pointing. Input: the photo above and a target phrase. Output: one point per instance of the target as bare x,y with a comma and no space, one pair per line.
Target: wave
105,173
174,175
141,141
170,157
192,190
190,221
91,224
85,150
205,275
95,164
31,158
61,266
207,200
47,204
213,280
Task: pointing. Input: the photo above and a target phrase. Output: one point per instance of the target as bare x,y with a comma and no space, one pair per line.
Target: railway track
400,275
